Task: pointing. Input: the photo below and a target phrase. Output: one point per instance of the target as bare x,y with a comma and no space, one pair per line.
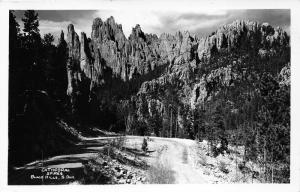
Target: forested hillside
230,87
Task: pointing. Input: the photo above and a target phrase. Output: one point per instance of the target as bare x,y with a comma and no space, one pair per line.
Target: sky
201,23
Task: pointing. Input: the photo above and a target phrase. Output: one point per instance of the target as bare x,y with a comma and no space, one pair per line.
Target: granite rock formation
108,59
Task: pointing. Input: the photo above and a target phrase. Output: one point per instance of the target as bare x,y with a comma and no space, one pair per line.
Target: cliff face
142,53
73,63
127,58
243,35
176,61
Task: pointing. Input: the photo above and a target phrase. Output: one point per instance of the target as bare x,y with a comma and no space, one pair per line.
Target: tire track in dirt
176,155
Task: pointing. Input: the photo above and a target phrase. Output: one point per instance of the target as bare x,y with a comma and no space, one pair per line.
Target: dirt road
177,155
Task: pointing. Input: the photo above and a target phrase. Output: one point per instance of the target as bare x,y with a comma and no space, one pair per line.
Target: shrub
145,145
222,167
118,143
108,150
95,174
202,160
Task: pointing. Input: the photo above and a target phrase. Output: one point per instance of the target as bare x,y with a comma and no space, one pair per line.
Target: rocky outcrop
108,43
180,48
216,79
108,49
79,71
129,58
171,60
142,53
242,35
113,167
285,75
73,63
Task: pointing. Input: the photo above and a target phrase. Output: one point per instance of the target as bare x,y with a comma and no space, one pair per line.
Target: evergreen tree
14,42
14,32
15,73
31,22
31,30
48,40
32,43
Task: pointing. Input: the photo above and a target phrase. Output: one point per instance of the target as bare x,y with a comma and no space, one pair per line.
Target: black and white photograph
136,97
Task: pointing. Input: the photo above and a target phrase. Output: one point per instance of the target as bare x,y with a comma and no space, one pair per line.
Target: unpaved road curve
179,155
176,154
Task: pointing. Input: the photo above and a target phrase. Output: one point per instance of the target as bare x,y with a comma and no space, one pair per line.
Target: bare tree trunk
272,169
245,146
171,122
208,144
163,121
126,124
236,163
265,159
176,119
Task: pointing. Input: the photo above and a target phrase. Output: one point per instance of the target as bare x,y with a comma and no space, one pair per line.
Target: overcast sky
201,23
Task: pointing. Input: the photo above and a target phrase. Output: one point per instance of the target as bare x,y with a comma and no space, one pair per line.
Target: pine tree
15,67
48,40
31,30
14,32
31,22
32,43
